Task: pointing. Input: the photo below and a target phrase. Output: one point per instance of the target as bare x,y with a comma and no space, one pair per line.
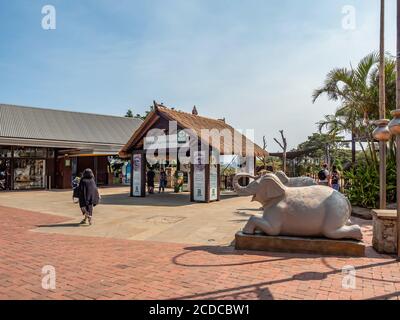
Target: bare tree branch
283,146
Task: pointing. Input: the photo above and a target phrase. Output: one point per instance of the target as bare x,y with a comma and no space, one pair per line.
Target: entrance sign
137,175
214,161
199,176
182,137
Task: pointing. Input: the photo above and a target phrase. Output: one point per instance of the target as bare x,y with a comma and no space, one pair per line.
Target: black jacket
88,193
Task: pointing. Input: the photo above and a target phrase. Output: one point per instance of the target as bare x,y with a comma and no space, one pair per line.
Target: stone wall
385,231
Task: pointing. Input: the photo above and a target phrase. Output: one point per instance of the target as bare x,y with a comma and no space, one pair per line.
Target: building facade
45,149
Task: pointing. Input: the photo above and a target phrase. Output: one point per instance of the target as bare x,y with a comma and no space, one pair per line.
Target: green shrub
362,184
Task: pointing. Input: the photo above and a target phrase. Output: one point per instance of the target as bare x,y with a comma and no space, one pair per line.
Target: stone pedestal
300,245
385,231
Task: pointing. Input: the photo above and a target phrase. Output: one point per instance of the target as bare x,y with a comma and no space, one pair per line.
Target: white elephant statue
313,211
295,182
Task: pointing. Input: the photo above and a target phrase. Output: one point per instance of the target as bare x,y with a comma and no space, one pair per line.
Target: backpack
322,175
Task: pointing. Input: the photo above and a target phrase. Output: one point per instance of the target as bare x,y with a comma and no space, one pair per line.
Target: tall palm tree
354,89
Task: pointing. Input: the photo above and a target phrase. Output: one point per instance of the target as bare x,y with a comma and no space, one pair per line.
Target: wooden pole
398,138
382,110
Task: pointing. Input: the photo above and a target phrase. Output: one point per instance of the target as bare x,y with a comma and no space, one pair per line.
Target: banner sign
199,176
214,160
137,175
172,141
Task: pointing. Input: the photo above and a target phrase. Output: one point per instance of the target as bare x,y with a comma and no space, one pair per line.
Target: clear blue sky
255,62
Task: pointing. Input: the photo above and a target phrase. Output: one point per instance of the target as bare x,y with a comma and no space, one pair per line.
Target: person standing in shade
163,181
323,176
150,180
89,195
335,179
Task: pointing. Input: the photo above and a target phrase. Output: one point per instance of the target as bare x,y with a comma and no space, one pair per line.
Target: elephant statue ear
270,187
283,177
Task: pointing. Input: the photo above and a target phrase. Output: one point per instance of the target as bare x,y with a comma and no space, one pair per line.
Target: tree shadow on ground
260,290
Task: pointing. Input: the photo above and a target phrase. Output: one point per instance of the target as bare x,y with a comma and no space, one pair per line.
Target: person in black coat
150,180
88,195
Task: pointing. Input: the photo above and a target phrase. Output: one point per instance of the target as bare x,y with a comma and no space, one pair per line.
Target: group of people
329,178
162,181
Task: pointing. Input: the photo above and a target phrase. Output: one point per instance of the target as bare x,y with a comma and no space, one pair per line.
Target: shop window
41,153
5,174
5,152
29,174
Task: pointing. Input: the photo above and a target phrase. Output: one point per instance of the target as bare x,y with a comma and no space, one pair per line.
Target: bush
362,184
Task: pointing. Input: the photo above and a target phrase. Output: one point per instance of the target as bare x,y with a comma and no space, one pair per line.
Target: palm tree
354,89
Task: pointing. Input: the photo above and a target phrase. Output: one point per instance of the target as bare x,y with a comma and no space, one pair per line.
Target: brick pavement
103,268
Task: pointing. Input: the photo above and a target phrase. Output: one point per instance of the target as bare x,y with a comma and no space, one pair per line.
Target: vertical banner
214,161
137,175
199,176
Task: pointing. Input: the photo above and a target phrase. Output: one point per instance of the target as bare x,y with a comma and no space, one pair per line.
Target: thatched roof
197,123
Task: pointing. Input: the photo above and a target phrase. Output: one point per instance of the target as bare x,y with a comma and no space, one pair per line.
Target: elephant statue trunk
249,190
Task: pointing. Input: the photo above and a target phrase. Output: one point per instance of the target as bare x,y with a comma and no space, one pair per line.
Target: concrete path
166,217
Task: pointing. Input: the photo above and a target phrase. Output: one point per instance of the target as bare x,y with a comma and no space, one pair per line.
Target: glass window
29,174
5,152
5,174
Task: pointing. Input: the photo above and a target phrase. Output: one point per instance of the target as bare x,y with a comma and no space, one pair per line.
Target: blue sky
255,62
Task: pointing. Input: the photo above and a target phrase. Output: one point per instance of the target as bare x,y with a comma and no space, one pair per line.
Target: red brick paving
103,268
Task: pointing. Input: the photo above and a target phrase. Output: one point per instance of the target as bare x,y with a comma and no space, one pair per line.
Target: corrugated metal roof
47,124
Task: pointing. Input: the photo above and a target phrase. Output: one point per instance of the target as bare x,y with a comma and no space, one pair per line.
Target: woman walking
88,195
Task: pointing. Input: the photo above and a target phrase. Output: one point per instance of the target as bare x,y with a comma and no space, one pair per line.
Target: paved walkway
107,268
166,217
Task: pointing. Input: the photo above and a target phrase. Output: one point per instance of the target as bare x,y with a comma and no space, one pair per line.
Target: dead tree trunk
283,145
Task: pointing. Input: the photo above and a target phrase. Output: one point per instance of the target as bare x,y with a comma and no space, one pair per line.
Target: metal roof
58,128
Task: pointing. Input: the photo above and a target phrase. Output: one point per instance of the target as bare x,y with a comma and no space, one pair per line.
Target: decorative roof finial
194,111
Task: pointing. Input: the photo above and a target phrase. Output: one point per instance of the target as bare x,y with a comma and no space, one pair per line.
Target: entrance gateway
192,142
